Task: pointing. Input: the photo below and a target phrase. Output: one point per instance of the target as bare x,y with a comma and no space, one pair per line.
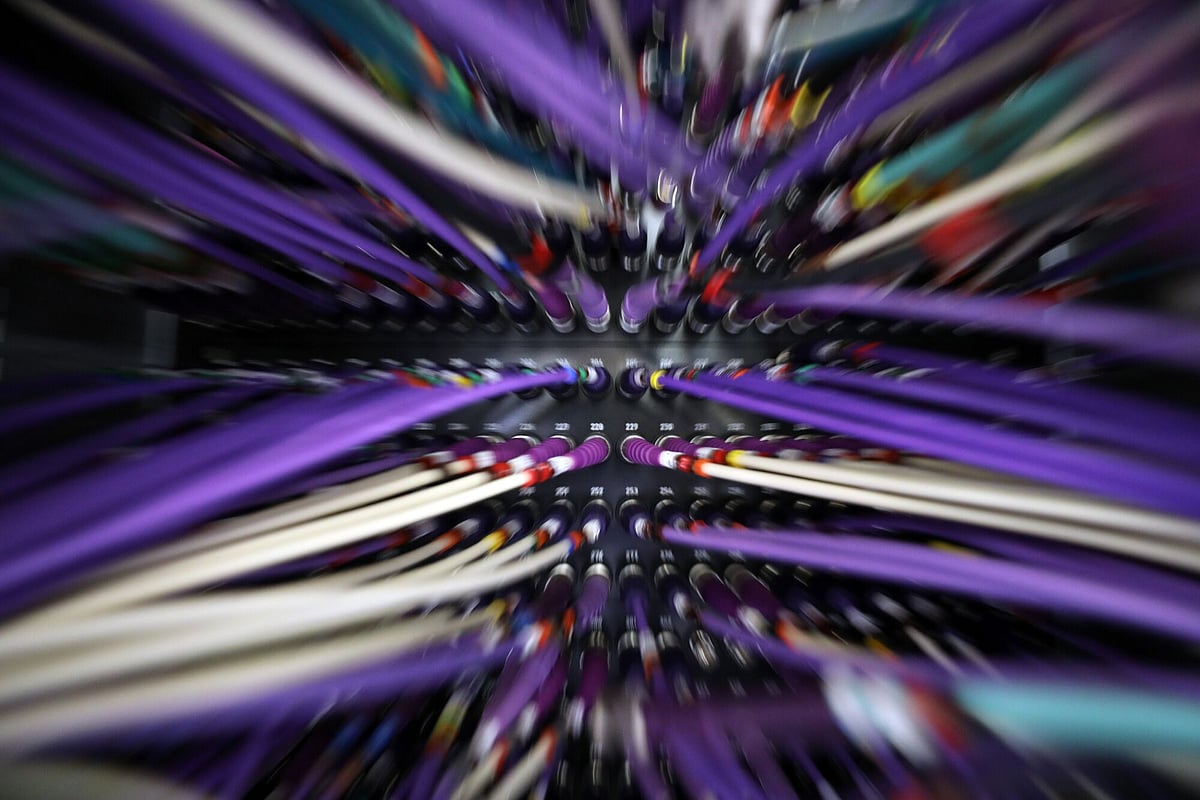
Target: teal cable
1084,717
388,43
980,142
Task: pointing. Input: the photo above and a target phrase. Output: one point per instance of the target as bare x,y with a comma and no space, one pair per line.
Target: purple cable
527,67
1119,408
553,447
356,471
714,99
422,777
1182,443
71,178
589,608
977,576
31,415
713,740
232,184
637,450
181,42
1083,463
555,304
593,520
588,294
1172,341
255,225
978,27
645,773
74,500
675,591
505,706
690,768
642,298
802,709
212,491
112,141
714,166
594,450
251,756
645,134
481,30
706,768
32,155
41,101
713,591
556,594
556,522
593,677
757,750
51,463
478,444
1042,553
543,700
636,592
1084,470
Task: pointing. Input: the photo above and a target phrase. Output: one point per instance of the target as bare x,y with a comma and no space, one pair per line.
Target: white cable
254,37
363,513
933,650
390,566
1163,553
24,637
277,547
482,774
393,567
312,613
512,552
1005,180
1031,500
518,780
320,503
311,506
233,607
165,697
20,642
964,470
151,620
113,660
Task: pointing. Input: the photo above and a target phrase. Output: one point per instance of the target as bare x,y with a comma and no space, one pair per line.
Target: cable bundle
432,171
108,604
943,545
